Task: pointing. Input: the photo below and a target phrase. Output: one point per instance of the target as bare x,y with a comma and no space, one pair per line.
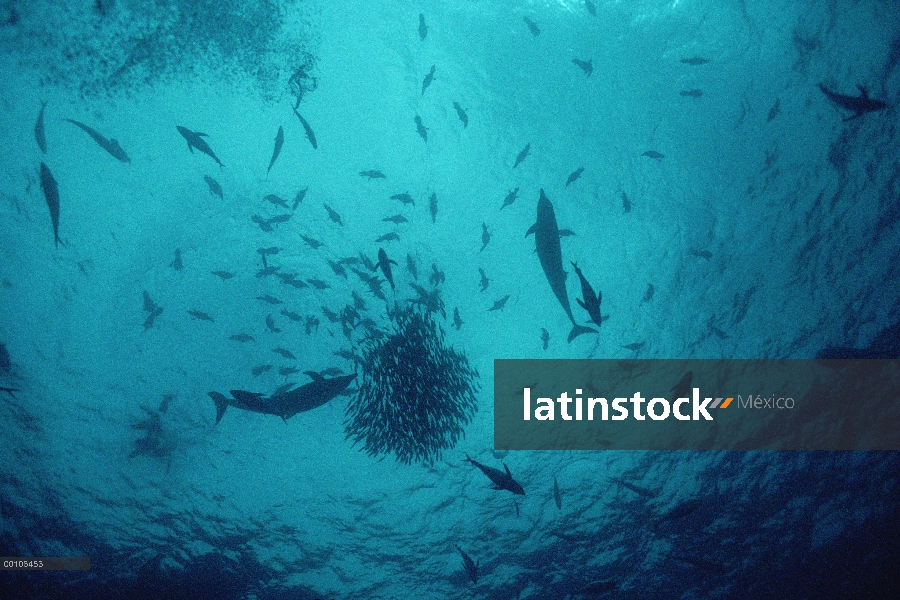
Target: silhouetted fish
432,206
461,114
423,29
279,142
574,176
333,215
653,154
39,135
177,264
499,304
591,302
372,174
691,93
195,140
510,198
429,77
469,565
522,155
590,7
860,105
51,194
532,27
501,480
214,186
384,263
309,132
585,65
550,254
110,145
485,236
420,128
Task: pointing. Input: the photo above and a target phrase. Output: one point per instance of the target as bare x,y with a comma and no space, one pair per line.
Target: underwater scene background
724,173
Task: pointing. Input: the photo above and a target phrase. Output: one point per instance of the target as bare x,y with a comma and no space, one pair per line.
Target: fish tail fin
578,330
221,403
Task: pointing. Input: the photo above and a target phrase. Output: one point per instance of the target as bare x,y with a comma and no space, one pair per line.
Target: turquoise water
714,170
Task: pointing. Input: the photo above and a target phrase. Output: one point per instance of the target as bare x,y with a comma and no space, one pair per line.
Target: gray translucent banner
45,563
697,404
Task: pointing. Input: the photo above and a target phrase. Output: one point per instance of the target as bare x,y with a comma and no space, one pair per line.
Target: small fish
484,280
691,93
270,324
223,274
195,140
626,203
654,154
469,565
279,142
574,176
648,295
200,315
557,498
110,145
164,405
635,346
51,195
522,155
485,236
411,267
310,324
277,219
318,284
773,112
176,264
149,304
39,135
263,223
388,237
339,270
499,304
241,337
358,302
510,198
266,272
276,200
333,215
701,253
432,206
423,29
312,242
285,353
695,61
421,129
309,132
330,315
214,186
372,174
148,322
405,198
396,219
291,315
297,283
545,337
461,113
260,369
590,7
457,321
532,26
384,263
428,79
586,66
269,299
437,276
592,300
299,198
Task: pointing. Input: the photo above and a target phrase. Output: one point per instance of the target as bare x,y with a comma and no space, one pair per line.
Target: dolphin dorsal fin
508,474
313,375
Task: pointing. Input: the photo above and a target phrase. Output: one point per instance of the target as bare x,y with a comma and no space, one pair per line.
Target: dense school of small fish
415,394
